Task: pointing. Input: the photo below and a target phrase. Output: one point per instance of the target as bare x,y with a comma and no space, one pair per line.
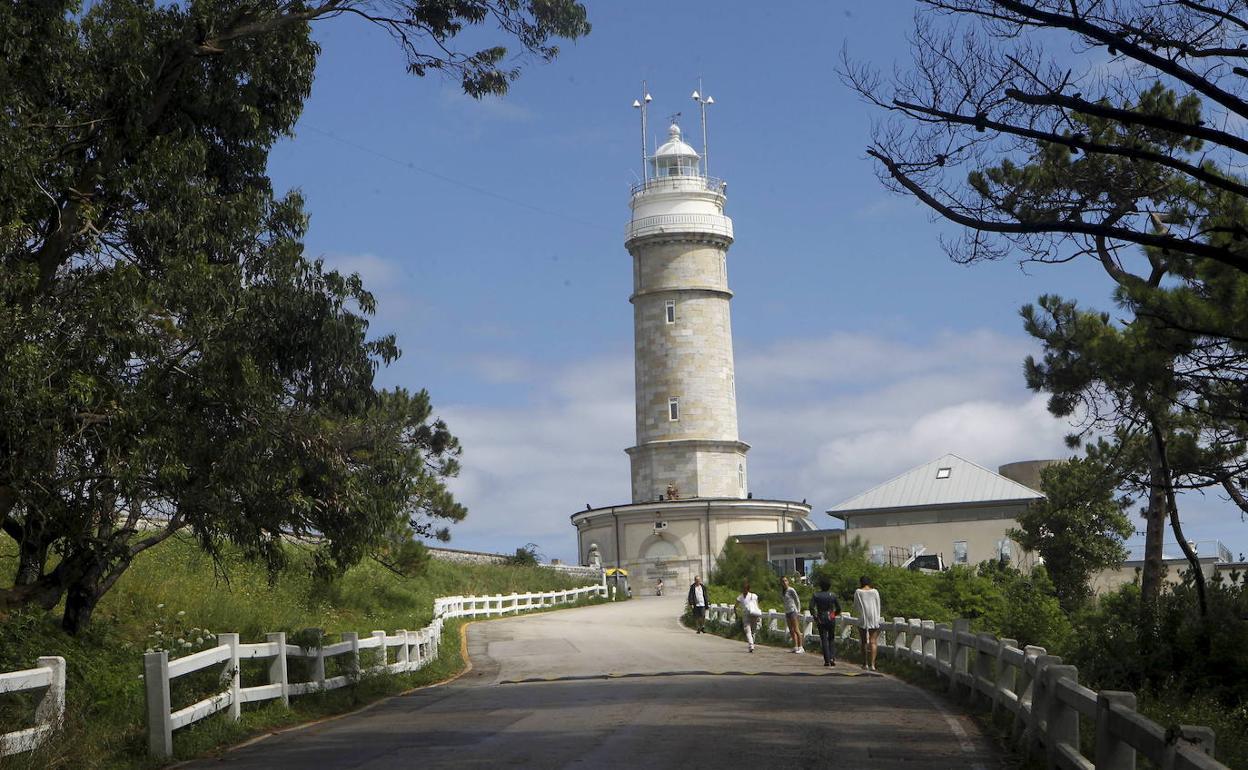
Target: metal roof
947,480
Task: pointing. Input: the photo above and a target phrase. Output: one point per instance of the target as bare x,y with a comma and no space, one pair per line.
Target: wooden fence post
277,667
318,663
1112,752
231,669
957,654
405,653
353,659
1199,738
979,666
929,643
900,642
51,709
1041,693
159,723
1061,721
1006,680
383,657
943,649
916,641
1025,686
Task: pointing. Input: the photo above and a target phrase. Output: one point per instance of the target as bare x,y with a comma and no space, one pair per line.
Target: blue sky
491,233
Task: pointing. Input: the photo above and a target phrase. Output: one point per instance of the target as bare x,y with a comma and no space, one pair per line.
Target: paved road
620,700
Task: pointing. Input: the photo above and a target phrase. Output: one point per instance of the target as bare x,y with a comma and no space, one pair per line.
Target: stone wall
467,557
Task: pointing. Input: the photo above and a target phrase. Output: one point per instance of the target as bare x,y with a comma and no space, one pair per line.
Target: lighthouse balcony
661,224
678,182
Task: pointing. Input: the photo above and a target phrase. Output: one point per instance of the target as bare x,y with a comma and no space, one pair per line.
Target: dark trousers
827,642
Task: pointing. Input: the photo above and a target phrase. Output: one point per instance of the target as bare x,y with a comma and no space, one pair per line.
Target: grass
173,592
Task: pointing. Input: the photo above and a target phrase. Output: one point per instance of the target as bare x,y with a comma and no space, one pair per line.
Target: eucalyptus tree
170,359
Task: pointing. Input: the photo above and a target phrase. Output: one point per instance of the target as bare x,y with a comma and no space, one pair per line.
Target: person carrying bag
824,607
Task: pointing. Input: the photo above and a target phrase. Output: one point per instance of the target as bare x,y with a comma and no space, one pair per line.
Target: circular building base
675,540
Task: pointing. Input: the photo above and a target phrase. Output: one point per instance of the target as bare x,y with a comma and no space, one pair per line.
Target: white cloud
827,418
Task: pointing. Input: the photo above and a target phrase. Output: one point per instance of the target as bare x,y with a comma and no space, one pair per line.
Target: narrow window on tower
670,308
741,475
673,409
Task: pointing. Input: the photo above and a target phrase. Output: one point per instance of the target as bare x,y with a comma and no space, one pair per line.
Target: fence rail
1044,699
399,652
49,676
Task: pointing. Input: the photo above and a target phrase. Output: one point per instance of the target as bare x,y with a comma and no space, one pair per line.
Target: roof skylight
943,473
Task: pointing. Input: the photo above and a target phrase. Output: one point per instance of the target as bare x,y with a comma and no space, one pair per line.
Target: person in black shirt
699,602
825,607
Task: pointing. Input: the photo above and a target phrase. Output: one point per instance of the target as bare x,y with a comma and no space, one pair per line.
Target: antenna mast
704,102
642,104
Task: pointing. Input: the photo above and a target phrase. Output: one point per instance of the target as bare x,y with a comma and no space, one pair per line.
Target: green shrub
735,565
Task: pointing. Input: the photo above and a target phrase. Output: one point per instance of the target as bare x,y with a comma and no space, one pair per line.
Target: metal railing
681,182
412,650
715,224
50,711
1043,697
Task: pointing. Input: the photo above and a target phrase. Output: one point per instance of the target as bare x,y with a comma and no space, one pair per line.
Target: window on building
959,552
732,385
877,554
670,309
943,473
1005,551
673,409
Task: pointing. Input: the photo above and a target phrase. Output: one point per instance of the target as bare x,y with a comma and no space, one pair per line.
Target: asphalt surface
625,686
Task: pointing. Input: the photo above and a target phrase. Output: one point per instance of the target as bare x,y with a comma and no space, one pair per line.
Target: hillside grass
174,592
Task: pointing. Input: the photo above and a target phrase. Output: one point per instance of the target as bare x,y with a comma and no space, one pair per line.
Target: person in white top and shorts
867,610
749,612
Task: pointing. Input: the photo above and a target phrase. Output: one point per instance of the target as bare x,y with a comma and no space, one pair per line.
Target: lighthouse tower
686,399
690,490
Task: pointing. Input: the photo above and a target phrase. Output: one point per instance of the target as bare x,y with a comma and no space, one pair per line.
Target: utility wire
452,181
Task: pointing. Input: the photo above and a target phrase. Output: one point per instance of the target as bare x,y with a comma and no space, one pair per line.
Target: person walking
824,606
867,609
792,613
698,603
749,612
658,588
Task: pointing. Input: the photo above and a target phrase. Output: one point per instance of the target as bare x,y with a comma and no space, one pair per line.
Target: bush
735,565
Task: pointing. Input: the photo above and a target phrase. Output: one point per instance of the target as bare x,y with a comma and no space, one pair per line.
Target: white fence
394,653
49,677
1043,696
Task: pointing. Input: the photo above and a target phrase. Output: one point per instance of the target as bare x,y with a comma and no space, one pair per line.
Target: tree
169,359
1078,528
996,134
735,565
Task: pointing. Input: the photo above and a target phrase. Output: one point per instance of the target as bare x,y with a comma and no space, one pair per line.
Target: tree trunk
1159,442
81,597
44,592
32,555
1154,531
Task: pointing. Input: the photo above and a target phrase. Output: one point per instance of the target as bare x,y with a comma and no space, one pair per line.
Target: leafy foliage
735,565
170,360
1079,527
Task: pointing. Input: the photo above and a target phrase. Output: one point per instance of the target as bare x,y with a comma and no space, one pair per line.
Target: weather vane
674,118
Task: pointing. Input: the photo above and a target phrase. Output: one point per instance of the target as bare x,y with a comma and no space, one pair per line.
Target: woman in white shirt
867,609
750,613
